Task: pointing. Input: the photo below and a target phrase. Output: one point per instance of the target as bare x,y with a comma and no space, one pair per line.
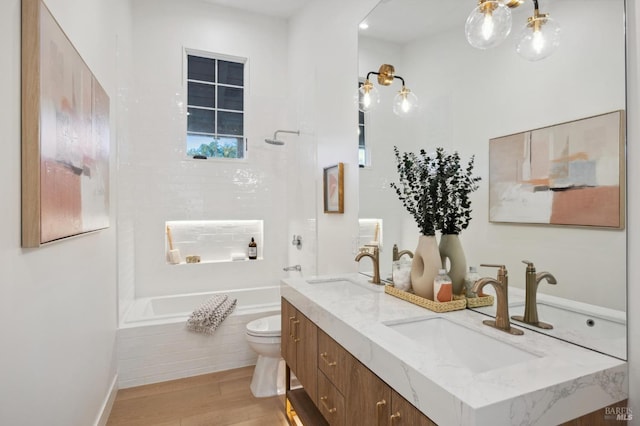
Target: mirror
469,96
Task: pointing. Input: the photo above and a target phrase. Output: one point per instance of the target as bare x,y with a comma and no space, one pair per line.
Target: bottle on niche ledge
253,249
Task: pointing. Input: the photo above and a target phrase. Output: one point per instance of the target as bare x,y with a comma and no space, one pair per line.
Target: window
363,157
215,107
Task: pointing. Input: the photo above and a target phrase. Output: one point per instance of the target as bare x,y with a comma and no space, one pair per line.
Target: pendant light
488,24
540,36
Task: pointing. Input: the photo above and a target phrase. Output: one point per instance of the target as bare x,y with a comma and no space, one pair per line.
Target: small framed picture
333,180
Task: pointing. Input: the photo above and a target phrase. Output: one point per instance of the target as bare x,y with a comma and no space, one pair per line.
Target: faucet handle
502,269
530,266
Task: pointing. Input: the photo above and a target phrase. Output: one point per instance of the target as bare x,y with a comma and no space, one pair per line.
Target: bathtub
154,345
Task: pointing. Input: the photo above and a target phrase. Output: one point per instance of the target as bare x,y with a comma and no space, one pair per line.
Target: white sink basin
459,345
598,332
345,286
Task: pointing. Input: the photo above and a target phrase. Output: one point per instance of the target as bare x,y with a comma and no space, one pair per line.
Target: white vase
425,265
451,249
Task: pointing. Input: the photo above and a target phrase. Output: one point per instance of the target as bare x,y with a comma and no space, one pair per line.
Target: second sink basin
459,345
345,286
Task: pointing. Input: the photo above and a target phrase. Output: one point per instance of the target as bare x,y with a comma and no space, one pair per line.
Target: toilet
263,336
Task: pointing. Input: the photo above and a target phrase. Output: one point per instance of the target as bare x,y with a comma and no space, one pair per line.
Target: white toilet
263,336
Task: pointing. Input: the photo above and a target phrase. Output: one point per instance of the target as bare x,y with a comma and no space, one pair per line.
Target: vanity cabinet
343,390
299,348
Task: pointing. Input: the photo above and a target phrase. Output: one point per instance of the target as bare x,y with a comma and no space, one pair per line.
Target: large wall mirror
469,96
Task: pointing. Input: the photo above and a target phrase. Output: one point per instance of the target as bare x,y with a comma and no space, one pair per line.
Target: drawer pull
323,400
296,339
395,417
291,326
325,358
379,407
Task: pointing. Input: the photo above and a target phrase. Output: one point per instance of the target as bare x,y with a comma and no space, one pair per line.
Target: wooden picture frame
568,174
65,135
333,188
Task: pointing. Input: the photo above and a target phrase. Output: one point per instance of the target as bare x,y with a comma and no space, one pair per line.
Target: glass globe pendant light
539,38
488,24
368,96
405,103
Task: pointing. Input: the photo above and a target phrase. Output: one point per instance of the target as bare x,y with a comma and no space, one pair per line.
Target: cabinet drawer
330,401
403,413
334,361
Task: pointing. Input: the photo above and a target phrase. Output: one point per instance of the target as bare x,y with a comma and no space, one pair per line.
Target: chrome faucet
501,285
398,254
531,296
375,258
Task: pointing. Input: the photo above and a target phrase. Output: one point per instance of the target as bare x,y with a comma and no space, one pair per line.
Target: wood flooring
216,399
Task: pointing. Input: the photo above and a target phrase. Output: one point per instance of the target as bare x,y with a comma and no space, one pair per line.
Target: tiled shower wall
159,183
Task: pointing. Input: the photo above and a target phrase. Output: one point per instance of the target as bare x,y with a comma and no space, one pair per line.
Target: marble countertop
562,381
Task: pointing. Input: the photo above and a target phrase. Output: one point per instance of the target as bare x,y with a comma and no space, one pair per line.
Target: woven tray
454,305
476,302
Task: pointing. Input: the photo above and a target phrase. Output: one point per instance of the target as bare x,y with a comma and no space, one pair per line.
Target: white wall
158,182
58,303
323,74
473,95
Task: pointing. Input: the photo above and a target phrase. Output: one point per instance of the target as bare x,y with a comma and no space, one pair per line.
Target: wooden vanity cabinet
299,348
339,390
344,391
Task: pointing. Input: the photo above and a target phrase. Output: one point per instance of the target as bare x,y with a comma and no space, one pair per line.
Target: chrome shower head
276,141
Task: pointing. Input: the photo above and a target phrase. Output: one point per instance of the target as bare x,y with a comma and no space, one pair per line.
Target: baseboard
107,405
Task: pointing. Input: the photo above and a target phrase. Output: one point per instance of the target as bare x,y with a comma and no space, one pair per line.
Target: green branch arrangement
435,189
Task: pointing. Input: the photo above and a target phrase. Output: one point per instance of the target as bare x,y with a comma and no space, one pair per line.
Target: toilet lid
267,326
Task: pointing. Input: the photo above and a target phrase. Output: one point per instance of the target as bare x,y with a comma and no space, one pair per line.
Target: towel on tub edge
207,317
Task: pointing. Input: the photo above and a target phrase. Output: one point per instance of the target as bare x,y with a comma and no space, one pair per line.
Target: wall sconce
490,22
404,103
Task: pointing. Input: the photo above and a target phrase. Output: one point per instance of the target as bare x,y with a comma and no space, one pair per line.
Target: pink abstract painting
567,174
74,139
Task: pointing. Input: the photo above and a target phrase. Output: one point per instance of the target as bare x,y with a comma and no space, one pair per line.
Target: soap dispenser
253,249
471,277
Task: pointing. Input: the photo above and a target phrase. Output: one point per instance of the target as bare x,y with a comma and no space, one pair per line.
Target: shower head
276,141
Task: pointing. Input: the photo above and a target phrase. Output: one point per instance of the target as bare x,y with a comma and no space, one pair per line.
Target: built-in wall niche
212,240
370,232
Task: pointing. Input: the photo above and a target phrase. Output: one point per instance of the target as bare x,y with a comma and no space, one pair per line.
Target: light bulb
488,25
405,103
366,100
368,96
539,38
537,42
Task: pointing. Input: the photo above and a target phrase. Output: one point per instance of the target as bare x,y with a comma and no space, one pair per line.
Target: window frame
364,125
186,52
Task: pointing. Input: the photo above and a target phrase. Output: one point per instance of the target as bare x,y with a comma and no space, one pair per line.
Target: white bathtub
155,346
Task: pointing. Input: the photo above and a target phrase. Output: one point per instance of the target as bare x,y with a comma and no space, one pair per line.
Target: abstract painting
567,174
65,135
333,180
